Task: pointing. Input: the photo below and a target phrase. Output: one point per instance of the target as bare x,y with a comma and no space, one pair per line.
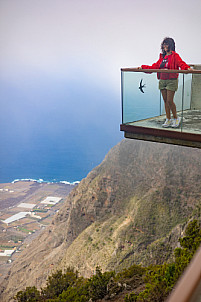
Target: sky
60,66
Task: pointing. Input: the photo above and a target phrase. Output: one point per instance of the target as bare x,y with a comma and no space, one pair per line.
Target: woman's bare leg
167,108
170,102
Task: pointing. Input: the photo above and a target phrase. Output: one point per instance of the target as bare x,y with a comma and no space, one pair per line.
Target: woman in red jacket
168,82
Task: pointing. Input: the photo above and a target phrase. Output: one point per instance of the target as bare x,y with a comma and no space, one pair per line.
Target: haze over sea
60,77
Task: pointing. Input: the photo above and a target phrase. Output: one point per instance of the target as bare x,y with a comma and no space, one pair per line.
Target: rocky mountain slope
130,209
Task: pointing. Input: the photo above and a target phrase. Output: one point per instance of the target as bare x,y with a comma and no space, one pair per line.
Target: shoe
176,122
168,123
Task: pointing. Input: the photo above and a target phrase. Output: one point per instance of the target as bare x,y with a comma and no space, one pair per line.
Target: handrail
162,70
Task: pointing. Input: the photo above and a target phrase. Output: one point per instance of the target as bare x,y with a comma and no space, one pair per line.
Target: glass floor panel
191,122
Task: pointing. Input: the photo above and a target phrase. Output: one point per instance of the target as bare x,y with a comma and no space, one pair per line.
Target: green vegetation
7,247
40,210
24,230
31,294
145,284
160,279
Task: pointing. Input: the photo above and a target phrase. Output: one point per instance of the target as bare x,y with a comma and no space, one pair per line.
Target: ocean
54,131
52,163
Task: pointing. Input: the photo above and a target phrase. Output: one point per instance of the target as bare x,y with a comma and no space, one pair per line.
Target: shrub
134,270
30,294
97,285
59,282
132,297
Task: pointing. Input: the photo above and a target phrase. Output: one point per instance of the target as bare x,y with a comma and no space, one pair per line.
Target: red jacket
175,63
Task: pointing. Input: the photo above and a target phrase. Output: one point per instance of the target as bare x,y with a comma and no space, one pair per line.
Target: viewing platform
143,111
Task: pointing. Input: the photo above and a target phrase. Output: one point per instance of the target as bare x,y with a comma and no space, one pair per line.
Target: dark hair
171,45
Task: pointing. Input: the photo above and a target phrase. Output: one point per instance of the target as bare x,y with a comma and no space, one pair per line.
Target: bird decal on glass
141,86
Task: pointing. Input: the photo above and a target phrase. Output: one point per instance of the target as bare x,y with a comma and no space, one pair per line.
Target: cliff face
131,208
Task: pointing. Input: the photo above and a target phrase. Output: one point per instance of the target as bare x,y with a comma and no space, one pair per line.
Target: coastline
40,180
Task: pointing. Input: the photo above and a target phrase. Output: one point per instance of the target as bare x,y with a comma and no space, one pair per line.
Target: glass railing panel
139,104
196,92
143,105
187,91
192,113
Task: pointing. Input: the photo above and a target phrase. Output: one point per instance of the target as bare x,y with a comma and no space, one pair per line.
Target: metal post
160,102
122,108
182,104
